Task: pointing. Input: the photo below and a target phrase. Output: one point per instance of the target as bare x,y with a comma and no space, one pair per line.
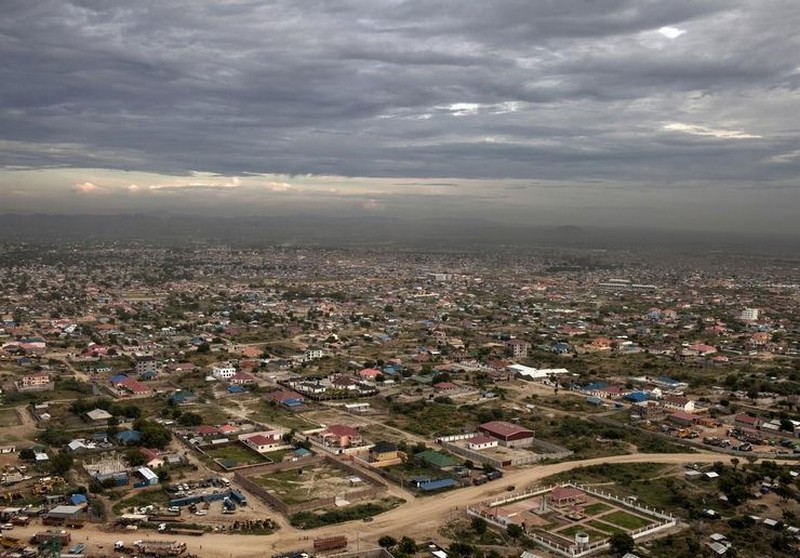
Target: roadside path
419,518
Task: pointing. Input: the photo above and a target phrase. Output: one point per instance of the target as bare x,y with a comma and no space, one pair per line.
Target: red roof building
506,432
341,436
135,387
566,494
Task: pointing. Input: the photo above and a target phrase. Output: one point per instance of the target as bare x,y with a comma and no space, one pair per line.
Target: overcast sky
663,113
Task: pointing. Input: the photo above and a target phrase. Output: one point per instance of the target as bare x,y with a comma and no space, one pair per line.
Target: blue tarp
78,499
437,484
637,396
595,386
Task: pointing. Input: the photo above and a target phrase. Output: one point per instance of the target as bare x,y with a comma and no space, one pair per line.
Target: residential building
223,371
39,381
339,435
146,365
517,348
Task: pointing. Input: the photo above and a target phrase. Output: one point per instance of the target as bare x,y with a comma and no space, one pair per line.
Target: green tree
113,427
407,545
61,463
479,525
514,531
387,541
190,419
27,454
134,457
154,435
621,544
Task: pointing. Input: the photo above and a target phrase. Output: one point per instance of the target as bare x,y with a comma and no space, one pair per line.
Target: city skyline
618,113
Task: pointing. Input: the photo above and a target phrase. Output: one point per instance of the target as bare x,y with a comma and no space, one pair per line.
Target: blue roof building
129,437
117,378
594,386
636,396
667,381
181,397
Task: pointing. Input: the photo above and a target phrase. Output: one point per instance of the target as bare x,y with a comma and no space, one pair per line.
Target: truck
43,536
238,497
160,548
186,531
494,475
477,481
330,543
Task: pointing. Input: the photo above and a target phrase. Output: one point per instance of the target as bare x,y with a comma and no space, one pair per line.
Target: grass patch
270,413
605,527
142,498
9,417
597,507
433,419
626,520
237,453
211,414
311,520
572,530
621,473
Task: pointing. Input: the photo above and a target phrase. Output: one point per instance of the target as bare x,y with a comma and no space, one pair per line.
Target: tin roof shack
146,477
70,516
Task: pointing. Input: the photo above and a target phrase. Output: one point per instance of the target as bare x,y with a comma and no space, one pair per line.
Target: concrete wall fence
243,477
662,521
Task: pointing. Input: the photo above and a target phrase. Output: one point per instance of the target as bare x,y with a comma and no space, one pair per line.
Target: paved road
419,518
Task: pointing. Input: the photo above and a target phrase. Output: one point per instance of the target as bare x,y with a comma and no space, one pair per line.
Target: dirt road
419,518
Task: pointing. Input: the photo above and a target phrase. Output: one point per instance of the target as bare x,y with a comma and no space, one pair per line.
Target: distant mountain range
376,231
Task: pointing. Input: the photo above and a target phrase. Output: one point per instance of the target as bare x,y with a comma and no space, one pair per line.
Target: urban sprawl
220,401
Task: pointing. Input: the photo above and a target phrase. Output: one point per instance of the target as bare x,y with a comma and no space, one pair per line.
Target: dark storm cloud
566,90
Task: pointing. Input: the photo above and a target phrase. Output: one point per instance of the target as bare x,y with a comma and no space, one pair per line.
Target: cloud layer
685,96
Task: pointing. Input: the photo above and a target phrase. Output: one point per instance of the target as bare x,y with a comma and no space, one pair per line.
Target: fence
243,478
550,451
666,520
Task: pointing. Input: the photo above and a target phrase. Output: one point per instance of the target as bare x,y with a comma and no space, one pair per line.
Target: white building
481,442
312,354
264,441
223,371
749,315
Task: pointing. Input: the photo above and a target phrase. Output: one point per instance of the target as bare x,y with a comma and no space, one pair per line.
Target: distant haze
672,114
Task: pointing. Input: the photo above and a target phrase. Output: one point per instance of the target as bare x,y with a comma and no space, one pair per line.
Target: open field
9,417
626,520
268,413
605,527
237,453
594,509
299,485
